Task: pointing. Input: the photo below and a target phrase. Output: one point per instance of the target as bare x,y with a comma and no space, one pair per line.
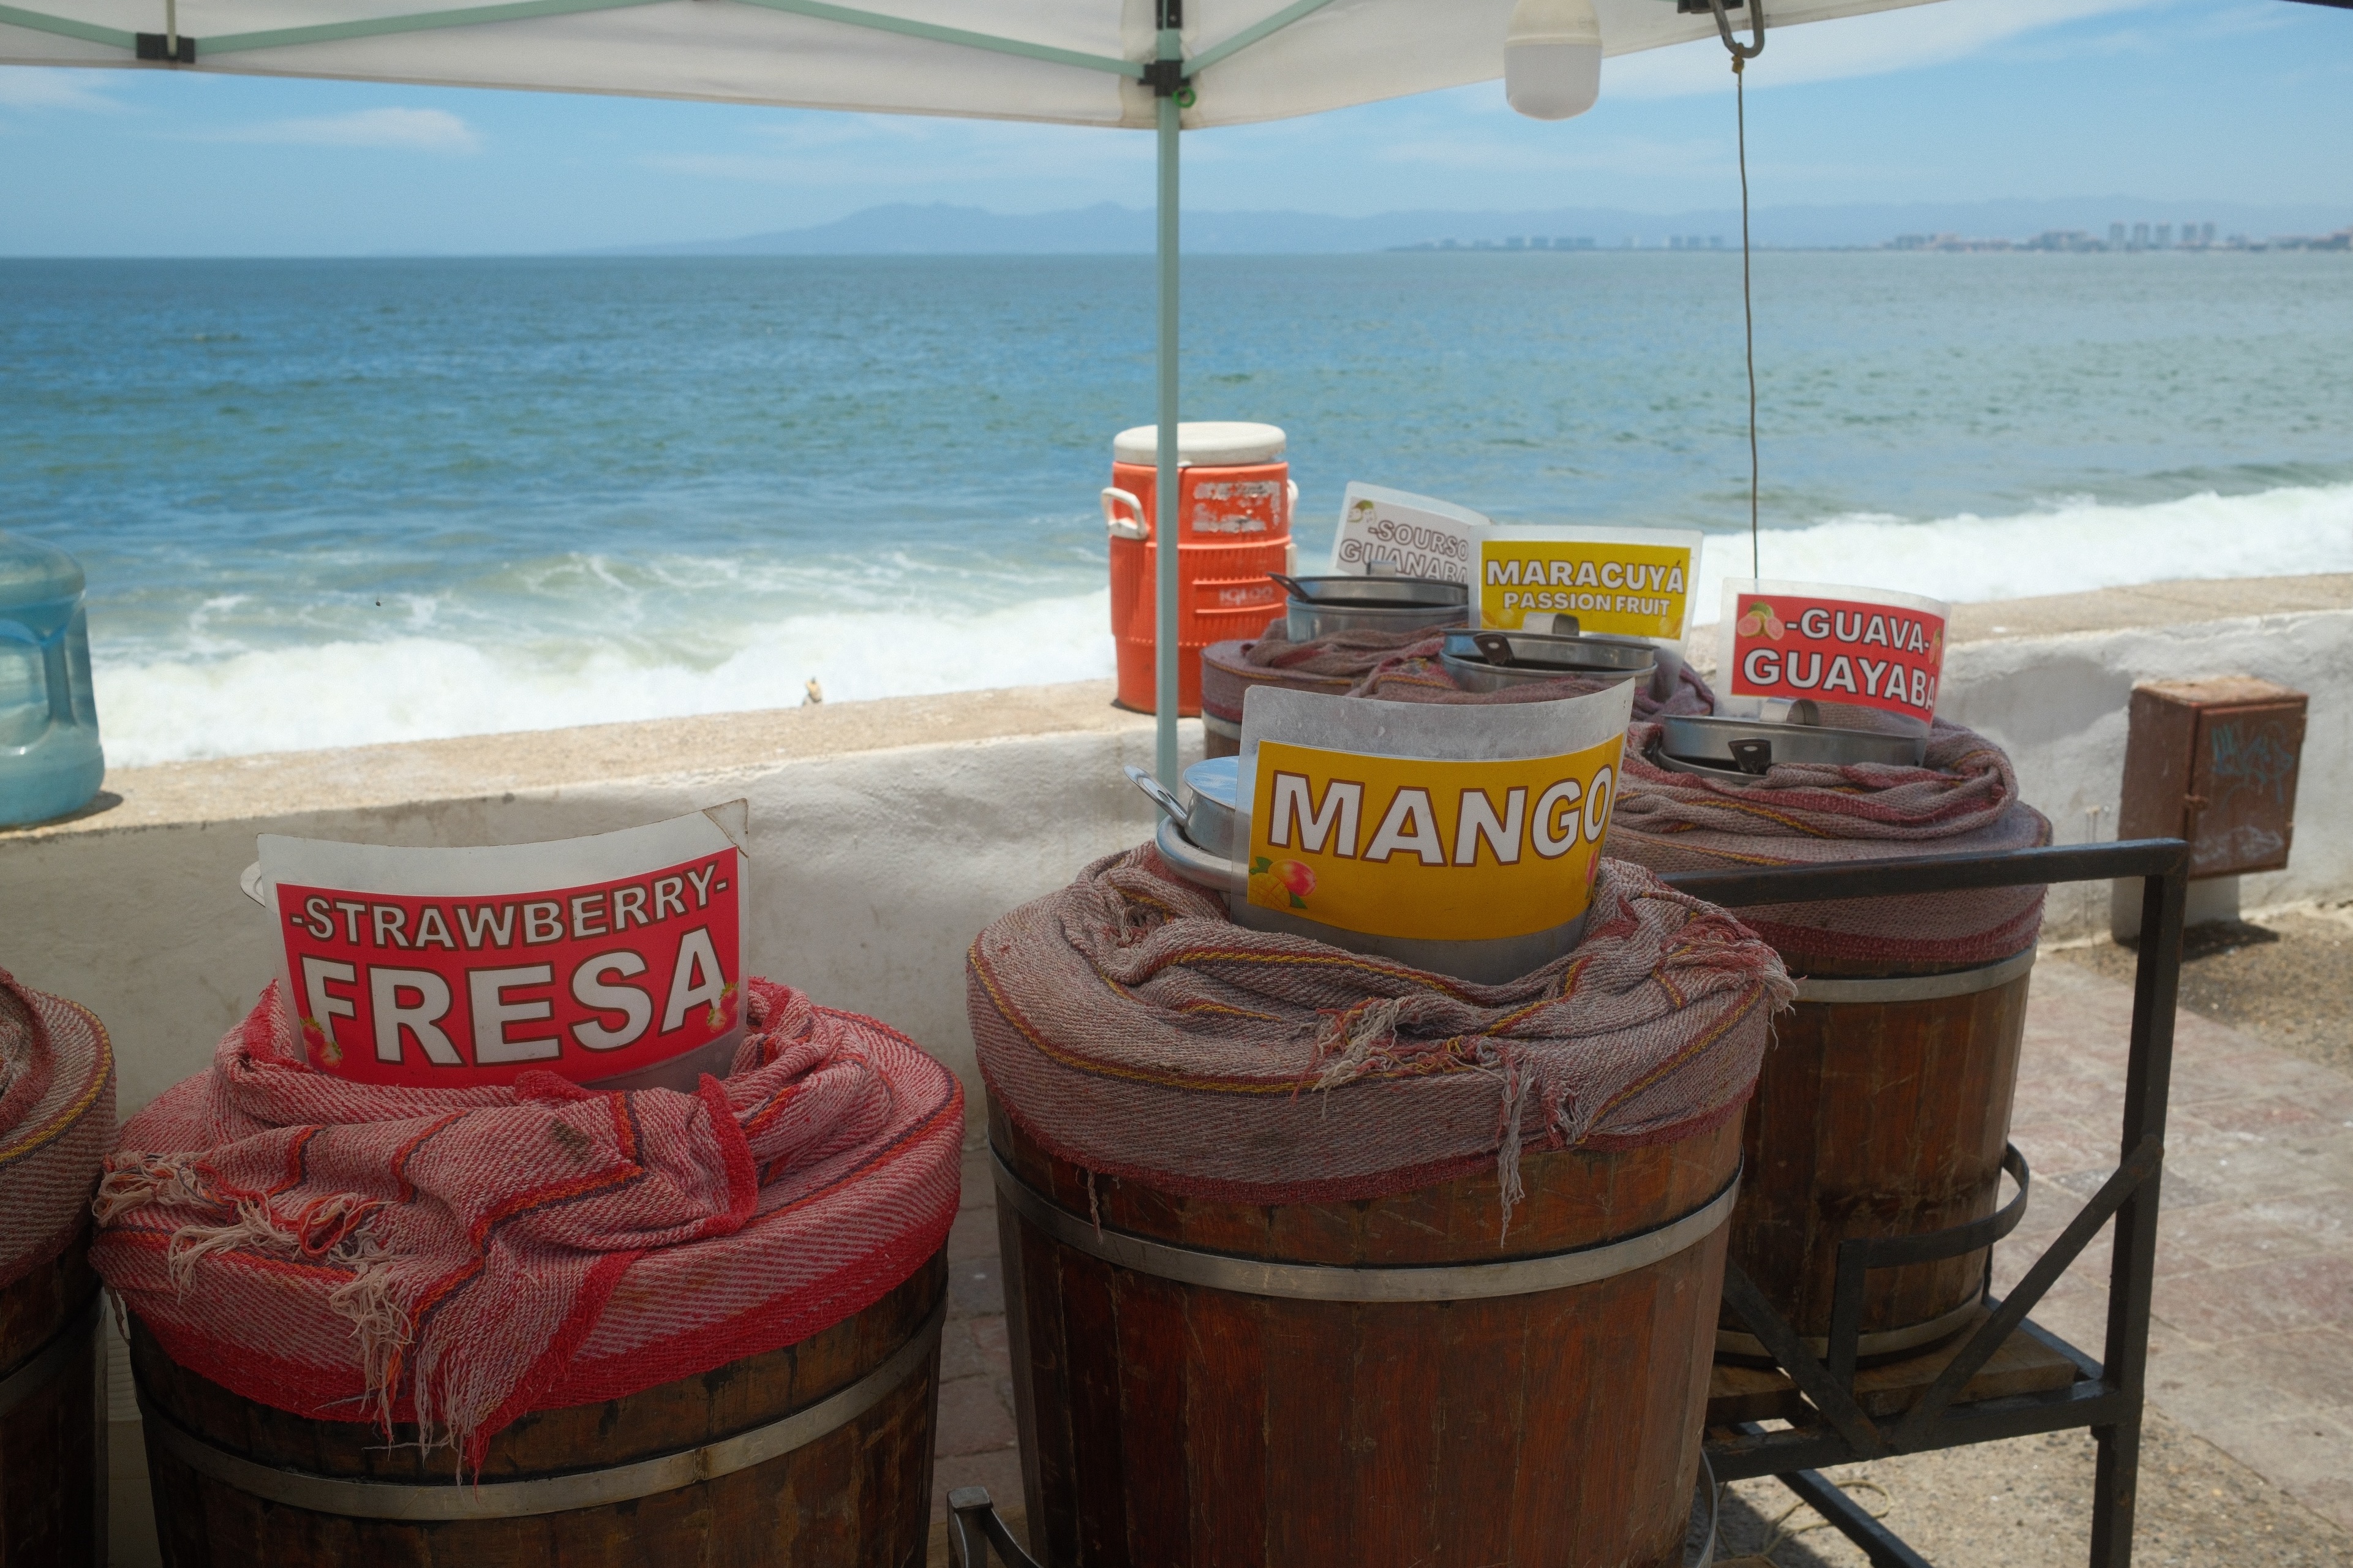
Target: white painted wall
873,872
877,867
2059,706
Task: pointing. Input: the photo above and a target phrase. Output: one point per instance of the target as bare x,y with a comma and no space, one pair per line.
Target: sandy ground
2286,978
2021,1504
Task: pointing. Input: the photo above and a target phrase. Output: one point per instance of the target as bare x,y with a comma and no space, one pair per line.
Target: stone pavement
2251,1345
2250,1447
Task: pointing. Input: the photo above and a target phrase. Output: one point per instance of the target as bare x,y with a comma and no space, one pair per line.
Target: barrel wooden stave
1165,1424
53,1442
857,1496
1877,1120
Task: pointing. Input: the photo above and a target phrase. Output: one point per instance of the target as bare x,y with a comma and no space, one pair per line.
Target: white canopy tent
1168,65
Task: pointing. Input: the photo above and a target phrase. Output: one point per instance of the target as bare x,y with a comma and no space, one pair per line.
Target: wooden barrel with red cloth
817,1455
1883,1109
1170,1412
538,1323
53,1416
57,1116
1311,1256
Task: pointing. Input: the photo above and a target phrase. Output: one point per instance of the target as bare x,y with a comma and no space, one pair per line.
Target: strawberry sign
1841,647
615,960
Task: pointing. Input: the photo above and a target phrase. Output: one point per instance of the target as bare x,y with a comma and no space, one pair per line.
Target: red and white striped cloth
1963,797
57,1116
455,1257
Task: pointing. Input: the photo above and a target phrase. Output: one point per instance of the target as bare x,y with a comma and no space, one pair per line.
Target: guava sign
615,958
1446,850
1853,648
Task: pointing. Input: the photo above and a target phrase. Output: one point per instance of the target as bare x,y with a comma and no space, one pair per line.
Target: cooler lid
1205,443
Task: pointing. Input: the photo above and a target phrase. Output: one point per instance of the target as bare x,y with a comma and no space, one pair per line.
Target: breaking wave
211,698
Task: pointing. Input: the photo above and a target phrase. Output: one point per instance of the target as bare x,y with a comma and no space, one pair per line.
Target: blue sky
2175,101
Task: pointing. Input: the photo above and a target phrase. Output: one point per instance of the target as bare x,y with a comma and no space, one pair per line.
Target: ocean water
337,502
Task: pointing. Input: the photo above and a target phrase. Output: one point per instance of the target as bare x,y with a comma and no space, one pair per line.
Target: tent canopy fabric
1076,62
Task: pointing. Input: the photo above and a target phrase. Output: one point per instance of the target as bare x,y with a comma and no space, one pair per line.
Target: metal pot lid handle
1752,755
1292,587
1495,646
1160,795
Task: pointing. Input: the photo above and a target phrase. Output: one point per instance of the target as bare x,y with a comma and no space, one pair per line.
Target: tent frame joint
157,47
1168,79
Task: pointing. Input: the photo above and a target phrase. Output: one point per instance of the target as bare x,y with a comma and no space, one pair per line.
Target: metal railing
2106,1394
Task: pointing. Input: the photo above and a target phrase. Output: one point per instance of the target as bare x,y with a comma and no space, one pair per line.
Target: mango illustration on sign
1416,848
1279,884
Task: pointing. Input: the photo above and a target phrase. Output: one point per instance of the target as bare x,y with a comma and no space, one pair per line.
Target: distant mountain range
1107,228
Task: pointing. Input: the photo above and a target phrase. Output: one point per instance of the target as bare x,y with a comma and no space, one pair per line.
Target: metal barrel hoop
1343,1282
439,1501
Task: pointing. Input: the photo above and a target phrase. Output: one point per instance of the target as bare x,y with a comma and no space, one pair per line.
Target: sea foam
211,702
422,688
2069,547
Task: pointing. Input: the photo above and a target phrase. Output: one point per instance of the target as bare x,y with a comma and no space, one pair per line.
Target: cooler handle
1132,528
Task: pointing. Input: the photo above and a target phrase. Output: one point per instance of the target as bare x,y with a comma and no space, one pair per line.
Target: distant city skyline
2176,101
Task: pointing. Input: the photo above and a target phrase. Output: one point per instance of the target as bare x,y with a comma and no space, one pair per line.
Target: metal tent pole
1164,526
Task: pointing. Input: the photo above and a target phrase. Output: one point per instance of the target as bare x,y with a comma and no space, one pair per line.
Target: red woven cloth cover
1401,666
1330,665
1130,1027
457,1257
57,1116
1964,798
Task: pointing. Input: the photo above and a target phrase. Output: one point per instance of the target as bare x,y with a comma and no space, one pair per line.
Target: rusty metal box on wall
2214,762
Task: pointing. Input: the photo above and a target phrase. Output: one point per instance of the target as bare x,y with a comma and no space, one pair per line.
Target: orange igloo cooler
1233,527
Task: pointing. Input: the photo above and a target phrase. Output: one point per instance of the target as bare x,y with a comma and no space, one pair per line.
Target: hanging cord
1741,54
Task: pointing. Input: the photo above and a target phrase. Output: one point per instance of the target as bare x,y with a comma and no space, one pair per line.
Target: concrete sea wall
885,834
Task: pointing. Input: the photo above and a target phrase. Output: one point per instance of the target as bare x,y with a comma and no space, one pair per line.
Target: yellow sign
1624,590
1395,846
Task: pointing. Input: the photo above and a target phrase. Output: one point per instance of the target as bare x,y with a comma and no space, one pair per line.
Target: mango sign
1634,583
1450,850
615,960
1884,651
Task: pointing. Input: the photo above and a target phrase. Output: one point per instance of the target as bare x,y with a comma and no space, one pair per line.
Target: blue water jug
50,763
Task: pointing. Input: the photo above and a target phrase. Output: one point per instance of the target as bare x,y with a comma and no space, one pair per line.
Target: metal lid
1217,779
1375,593
1537,652
1747,748
1209,443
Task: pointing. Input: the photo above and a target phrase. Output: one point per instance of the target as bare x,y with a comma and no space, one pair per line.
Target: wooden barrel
53,1416
1882,1110
816,1454
1202,1382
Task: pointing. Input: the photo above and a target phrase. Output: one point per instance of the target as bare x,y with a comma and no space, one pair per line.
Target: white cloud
1874,45
411,129
51,87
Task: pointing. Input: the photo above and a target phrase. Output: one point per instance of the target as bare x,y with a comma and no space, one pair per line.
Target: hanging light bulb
1552,58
